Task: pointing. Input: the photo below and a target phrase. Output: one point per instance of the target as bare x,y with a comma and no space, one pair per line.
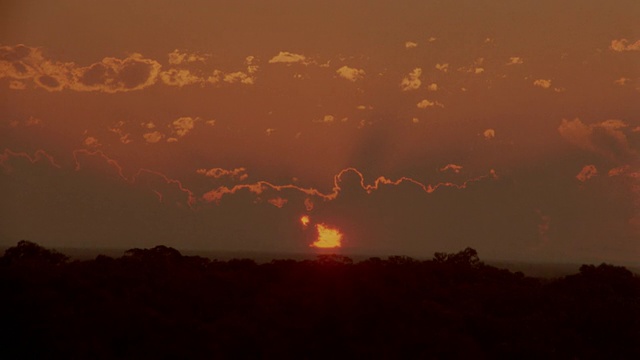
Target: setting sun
327,237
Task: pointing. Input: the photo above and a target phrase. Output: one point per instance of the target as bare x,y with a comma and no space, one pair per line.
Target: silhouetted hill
158,303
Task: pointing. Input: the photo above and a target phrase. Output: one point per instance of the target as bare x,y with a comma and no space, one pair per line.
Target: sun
328,237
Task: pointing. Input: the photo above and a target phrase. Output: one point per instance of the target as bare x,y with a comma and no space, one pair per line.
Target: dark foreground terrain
156,303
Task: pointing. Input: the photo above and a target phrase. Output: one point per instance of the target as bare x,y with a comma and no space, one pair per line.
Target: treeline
157,303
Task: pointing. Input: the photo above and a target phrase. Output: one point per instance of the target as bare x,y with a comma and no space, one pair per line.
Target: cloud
411,81
278,202
250,61
443,67
410,45
30,121
20,62
176,57
545,84
515,60
17,85
489,134
153,137
113,75
91,142
623,45
351,74
33,121
451,167
426,103
622,81
285,57
217,173
124,137
432,87
23,64
606,138
327,119
215,77
180,77
238,77
475,68
183,125
587,172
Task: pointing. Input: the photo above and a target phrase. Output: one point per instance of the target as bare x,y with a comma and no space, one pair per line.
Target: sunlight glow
327,237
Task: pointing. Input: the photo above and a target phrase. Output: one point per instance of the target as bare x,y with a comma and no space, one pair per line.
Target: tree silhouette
468,256
30,252
158,303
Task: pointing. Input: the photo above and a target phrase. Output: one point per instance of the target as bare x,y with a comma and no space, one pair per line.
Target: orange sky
411,126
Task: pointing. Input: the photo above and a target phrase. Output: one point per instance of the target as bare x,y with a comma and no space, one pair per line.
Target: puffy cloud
451,167
515,60
412,81
432,87
606,138
176,57
545,84
183,125
587,172
113,75
415,120
238,77
623,45
489,134
250,61
286,57
22,64
153,137
443,67
215,77
410,45
426,103
148,125
349,73
180,77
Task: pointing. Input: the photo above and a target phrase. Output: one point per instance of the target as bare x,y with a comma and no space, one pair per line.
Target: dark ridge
159,303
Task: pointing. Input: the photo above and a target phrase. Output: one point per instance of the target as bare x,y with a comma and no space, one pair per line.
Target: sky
394,127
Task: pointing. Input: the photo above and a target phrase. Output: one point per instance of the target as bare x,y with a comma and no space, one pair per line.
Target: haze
410,126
